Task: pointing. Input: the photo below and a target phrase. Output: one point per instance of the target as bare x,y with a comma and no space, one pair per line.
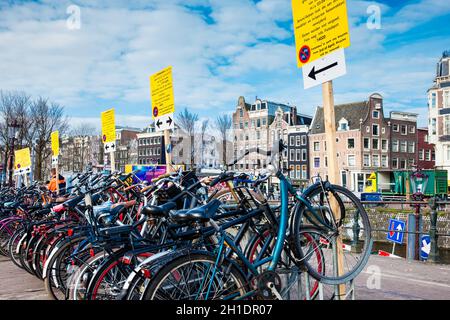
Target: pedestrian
61,182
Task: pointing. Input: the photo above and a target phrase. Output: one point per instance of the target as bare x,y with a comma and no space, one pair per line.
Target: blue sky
219,51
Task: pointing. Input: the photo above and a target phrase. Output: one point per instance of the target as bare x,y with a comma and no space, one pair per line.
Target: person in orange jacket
61,181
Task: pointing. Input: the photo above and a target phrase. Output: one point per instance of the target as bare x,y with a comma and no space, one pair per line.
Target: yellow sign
161,87
22,159
55,143
320,27
108,126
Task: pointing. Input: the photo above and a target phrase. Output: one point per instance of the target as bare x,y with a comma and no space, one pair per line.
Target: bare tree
46,117
186,120
204,127
223,124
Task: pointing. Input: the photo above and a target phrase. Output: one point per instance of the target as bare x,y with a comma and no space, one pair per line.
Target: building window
384,161
317,162
297,173
375,131
447,125
291,140
297,155
376,160
384,145
395,127
447,99
366,144
304,155
351,160
403,130
402,164
383,130
367,129
433,100
303,140
351,143
375,145
411,147
344,178
412,129
241,112
433,126
447,153
395,163
366,160
291,154
421,154
291,172
427,155
304,172
375,114
316,146
297,140
402,146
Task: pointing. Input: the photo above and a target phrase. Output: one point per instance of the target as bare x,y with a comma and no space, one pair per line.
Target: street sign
396,231
164,122
324,69
108,127
161,86
22,161
320,27
425,246
55,143
55,160
110,146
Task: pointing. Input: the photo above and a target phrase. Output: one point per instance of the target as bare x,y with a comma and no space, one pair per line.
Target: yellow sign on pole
22,160
55,143
108,126
320,27
161,86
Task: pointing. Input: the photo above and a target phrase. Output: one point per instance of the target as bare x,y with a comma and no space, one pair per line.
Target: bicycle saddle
201,214
158,211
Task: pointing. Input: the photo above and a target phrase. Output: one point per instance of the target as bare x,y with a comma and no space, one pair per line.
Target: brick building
403,140
426,155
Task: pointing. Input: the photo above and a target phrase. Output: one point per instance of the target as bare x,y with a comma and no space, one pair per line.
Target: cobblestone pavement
398,280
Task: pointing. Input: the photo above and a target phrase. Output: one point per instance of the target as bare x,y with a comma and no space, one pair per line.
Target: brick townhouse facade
426,155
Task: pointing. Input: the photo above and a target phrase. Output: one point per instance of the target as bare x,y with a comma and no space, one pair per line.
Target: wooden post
333,170
168,154
57,178
113,161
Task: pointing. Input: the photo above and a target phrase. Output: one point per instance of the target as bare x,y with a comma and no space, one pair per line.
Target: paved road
17,284
384,278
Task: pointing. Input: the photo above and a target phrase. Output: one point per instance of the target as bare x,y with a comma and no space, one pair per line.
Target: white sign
164,122
55,160
110,147
22,171
324,69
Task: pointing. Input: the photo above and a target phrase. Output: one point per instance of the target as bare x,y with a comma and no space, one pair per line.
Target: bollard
433,257
411,237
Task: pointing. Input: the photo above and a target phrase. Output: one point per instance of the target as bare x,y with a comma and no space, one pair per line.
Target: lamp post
12,131
419,181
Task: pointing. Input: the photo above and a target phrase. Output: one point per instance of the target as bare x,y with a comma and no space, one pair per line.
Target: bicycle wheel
196,277
14,248
339,226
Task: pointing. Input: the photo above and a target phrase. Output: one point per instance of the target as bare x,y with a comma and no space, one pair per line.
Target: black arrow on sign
169,121
159,123
313,72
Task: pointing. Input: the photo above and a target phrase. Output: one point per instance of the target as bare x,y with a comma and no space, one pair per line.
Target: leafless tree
204,127
46,117
186,120
223,124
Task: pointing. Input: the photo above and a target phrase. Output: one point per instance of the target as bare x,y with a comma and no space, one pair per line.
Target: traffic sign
324,69
396,231
320,27
22,161
108,126
164,122
161,86
55,143
55,160
425,246
110,146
